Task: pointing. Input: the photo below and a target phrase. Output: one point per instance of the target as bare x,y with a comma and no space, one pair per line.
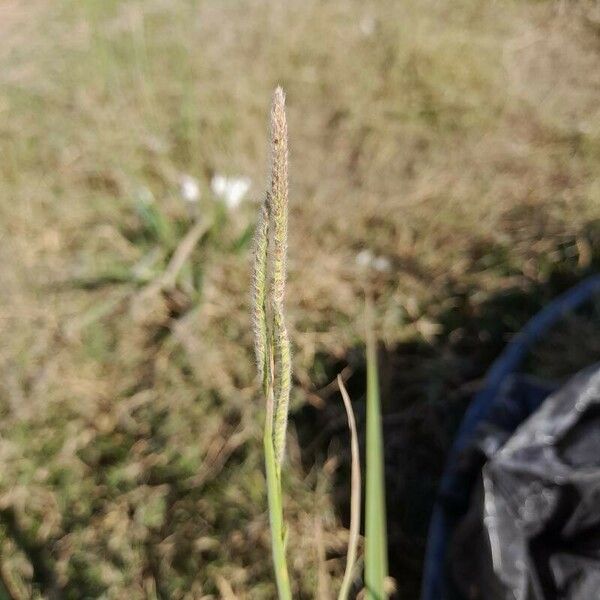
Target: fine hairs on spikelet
279,218
259,293
272,346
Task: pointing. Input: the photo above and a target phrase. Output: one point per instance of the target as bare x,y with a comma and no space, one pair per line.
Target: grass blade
355,484
375,519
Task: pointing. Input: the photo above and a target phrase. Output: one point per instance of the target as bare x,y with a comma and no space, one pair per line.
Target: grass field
444,155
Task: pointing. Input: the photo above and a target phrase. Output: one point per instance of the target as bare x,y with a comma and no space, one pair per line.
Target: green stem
276,518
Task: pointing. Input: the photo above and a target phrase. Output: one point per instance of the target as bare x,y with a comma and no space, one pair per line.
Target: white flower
231,190
365,259
189,188
382,264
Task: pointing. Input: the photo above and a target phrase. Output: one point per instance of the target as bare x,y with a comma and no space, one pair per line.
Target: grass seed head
272,346
259,293
279,194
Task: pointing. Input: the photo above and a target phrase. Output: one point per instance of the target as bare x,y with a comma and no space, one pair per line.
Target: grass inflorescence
271,338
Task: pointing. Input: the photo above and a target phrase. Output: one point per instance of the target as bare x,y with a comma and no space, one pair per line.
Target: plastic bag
532,530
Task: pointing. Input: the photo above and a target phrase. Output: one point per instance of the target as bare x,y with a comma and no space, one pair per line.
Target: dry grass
457,140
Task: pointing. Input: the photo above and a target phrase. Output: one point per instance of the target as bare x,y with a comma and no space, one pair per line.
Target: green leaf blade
376,564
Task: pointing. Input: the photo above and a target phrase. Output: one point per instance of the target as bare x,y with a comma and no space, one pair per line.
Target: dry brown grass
458,140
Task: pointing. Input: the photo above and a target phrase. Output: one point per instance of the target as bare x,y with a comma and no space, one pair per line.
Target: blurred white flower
231,190
382,264
367,260
364,258
189,188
